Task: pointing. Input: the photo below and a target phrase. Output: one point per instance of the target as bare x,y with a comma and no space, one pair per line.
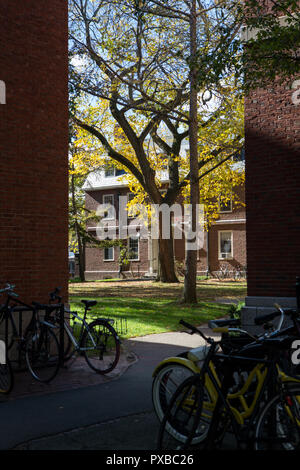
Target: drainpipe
207,255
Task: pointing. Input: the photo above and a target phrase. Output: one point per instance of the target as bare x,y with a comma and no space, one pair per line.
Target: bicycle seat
89,303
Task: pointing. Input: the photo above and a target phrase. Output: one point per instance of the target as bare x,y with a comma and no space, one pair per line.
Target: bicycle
171,372
97,341
203,407
38,345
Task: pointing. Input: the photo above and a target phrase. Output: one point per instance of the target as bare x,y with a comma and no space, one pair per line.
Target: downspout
207,255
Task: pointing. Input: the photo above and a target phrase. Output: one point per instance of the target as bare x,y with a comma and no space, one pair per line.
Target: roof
97,180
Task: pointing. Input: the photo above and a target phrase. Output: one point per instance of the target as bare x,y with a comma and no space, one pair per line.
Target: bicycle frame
266,371
84,325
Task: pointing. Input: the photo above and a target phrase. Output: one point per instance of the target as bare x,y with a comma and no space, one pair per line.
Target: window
132,213
112,171
225,206
134,248
108,200
225,245
109,172
109,253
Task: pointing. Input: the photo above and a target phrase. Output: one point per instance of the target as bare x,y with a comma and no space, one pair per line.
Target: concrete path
112,412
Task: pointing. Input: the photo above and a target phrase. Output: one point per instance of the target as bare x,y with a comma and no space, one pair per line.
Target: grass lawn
152,307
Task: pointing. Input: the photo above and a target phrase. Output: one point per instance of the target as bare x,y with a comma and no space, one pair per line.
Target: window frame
230,256
114,172
128,215
138,248
226,211
113,205
110,168
113,253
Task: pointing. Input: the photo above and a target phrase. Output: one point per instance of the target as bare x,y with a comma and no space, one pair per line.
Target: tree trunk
166,261
81,247
190,294
166,251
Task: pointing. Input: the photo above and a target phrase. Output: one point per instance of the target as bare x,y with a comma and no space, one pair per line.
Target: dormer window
109,172
112,171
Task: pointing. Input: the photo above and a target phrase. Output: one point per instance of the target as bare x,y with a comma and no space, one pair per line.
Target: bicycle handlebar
189,326
10,289
195,330
270,316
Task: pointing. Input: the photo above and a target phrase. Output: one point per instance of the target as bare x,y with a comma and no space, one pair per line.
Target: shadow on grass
206,290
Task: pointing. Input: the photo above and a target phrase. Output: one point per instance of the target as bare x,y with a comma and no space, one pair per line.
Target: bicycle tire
180,427
42,354
165,383
105,356
278,425
6,377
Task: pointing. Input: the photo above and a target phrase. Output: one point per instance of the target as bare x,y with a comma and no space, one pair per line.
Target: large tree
138,60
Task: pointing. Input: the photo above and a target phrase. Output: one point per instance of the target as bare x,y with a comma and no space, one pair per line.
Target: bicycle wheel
165,383
6,377
164,386
181,426
101,346
278,426
42,354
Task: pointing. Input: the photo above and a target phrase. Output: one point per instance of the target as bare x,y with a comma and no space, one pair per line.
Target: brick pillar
34,147
272,123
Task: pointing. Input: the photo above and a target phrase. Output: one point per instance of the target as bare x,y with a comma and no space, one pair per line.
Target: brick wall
96,266
233,221
34,146
272,124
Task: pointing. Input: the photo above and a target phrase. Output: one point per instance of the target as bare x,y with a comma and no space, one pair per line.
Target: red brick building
272,126
34,146
223,251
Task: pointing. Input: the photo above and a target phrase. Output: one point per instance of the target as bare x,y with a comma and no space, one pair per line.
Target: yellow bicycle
247,378
203,407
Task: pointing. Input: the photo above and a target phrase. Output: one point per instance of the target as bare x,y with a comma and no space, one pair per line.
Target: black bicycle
38,346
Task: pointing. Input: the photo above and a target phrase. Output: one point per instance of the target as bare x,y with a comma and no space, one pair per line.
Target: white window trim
225,212
219,245
103,200
138,258
114,175
113,252
129,216
110,176
230,221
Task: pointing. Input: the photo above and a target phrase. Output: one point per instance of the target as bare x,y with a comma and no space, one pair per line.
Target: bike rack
20,309
119,323
19,325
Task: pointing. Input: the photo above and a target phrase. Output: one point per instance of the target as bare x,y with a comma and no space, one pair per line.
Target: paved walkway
81,410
